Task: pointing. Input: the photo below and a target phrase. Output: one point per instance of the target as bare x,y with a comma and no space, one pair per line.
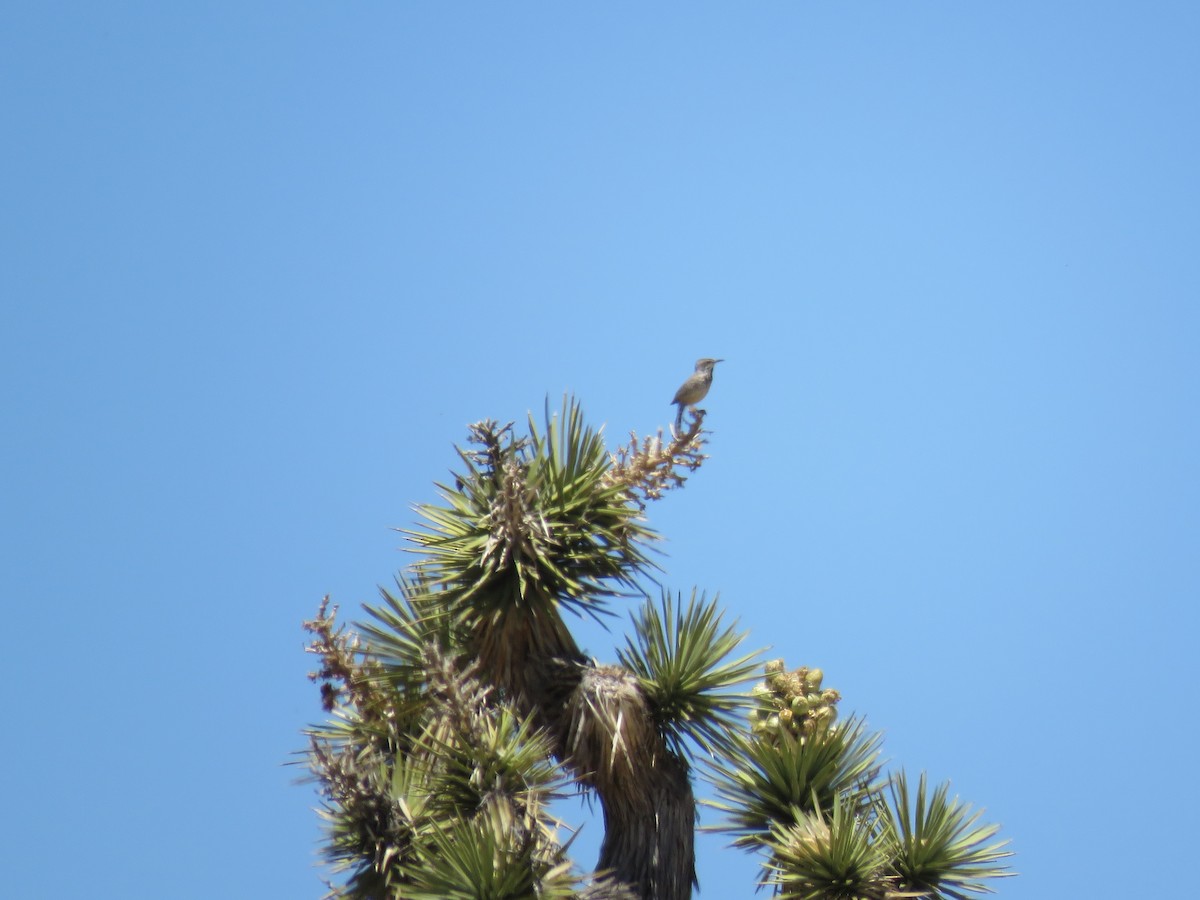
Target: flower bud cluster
792,701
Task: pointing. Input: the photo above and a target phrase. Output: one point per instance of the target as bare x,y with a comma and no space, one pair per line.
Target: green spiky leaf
532,523
682,657
772,781
834,857
940,849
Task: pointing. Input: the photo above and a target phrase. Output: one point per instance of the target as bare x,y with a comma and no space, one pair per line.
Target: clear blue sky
262,263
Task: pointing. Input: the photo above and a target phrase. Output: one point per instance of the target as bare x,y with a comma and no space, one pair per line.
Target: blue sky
262,263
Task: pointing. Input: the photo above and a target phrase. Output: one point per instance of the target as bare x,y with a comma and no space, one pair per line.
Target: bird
695,388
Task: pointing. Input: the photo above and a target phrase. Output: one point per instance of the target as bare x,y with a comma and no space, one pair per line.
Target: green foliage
488,863
783,780
417,785
940,851
681,655
463,707
408,622
532,522
807,792
834,857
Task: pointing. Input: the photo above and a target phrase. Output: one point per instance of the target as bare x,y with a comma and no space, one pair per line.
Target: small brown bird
695,388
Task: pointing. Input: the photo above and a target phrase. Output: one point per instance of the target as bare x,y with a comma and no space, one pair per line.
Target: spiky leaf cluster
683,657
785,778
939,848
401,630
807,792
829,857
432,793
532,522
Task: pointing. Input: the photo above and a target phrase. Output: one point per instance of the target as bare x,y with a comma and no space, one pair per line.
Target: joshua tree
463,705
